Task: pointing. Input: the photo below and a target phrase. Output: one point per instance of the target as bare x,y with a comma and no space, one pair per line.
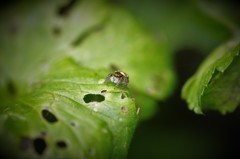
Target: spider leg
119,81
124,85
107,79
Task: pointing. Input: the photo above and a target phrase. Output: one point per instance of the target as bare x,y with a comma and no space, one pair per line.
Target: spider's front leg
107,79
124,85
119,81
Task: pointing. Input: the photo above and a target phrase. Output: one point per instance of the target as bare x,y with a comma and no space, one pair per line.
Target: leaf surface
216,83
74,114
37,34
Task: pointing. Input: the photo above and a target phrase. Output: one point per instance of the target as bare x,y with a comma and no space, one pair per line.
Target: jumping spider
118,77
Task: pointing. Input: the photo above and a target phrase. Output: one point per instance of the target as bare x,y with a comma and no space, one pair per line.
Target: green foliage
55,56
147,63
57,110
54,59
98,42
203,26
216,83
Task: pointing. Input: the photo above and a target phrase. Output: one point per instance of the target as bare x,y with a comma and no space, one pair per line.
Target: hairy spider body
118,78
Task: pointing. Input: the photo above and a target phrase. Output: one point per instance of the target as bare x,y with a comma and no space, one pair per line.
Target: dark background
178,133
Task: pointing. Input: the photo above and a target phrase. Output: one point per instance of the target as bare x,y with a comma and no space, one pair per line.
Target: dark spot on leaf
25,143
11,88
93,98
43,134
50,117
87,33
73,124
104,91
39,145
66,8
56,31
124,109
91,151
61,144
123,96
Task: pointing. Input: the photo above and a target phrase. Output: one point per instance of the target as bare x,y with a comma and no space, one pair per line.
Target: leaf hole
93,98
73,124
50,117
39,145
25,143
124,109
92,151
43,134
61,144
103,91
66,8
56,31
123,96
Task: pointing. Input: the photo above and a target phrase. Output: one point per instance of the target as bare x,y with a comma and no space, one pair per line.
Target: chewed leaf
129,48
67,112
34,35
216,83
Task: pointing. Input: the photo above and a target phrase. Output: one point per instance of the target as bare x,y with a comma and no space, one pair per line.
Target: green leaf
146,62
129,48
37,35
73,113
216,83
33,35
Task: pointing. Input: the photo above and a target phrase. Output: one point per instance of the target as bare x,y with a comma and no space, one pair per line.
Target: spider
118,77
